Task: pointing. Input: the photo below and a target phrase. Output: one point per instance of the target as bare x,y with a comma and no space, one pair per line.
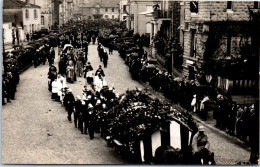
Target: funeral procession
130,82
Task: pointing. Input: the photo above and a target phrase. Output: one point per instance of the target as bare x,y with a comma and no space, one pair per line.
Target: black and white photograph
130,82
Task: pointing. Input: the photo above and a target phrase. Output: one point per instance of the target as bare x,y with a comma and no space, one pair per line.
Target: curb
224,134
233,139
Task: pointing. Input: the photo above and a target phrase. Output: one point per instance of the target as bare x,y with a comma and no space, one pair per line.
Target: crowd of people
10,79
230,117
19,58
88,110
91,110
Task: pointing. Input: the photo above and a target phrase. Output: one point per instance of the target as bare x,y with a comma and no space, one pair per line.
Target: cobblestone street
35,129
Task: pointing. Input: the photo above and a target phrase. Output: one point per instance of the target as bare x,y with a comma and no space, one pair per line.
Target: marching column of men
89,110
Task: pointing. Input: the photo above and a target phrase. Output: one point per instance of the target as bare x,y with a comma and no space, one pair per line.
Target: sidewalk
210,123
10,45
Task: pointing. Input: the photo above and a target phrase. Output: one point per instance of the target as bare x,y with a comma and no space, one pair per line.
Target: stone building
221,43
47,12
123,10
141,16
98,9
65,11
24,17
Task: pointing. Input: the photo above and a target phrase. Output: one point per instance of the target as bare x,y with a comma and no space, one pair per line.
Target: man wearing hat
201,146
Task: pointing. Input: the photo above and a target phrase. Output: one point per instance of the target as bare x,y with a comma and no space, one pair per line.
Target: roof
16,4
102,3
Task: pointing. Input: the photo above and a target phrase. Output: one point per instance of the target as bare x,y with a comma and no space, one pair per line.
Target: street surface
35,129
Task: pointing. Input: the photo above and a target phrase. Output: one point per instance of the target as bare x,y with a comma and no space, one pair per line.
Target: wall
217,11
121,4
32,21
140,20
210,11
7,32
46,9
90,11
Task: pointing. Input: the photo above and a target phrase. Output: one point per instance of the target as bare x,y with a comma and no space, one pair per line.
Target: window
106,10
35,14
27,14
97,10
194,7
255,5
229,5
42,20
113,16
106,16
124,7
113,9
193,44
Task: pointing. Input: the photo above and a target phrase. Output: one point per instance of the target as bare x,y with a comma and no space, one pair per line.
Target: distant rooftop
17,4
102,3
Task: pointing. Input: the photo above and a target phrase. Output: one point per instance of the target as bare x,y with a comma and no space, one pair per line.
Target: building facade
141,16
100,9
65,11
220,42
123,10
23,16
47,7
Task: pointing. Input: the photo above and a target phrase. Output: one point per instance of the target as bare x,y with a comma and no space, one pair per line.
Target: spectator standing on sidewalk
194,103
27,37
254,134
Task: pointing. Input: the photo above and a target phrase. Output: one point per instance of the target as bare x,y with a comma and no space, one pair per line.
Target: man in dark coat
105,58
100,52
78,106
69,101
51,56
62,66
52,74
100,71
92,121
111,47
82,117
